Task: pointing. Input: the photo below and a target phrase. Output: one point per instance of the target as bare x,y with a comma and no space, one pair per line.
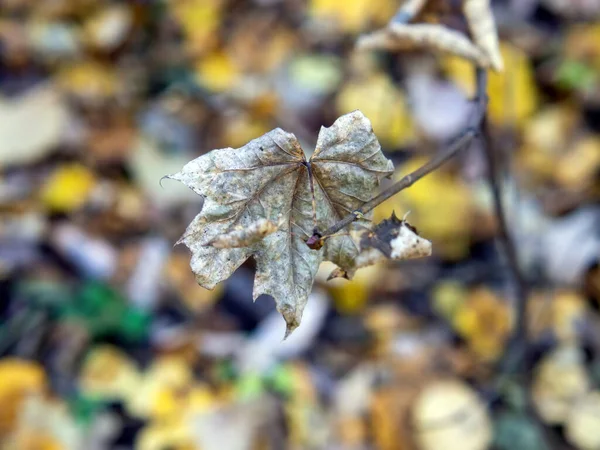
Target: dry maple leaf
483,50
270,176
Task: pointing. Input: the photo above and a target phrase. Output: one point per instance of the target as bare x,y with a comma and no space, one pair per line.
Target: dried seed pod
246,236
483,29
397,37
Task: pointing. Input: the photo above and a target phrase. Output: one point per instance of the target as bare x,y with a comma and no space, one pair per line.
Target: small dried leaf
440,194
483,28
270,175
483,50
399,37
391,239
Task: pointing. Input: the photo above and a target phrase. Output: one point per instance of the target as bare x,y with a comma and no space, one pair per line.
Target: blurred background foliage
106,341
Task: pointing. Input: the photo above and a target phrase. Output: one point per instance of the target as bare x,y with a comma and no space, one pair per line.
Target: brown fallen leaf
400,37
271,176
391,239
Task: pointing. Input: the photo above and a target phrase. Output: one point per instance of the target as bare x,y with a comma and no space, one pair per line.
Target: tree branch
462,141
515,354
516,351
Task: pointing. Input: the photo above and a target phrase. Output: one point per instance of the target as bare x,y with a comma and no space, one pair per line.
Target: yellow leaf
109,373
46,423
201,398
88,80
569,310
352,16
217,72
545,137
512,94
448,296
579,165
300,406
68,188
484,321
37,441
199,20
159,389
18,380
383,103
172,434
350,296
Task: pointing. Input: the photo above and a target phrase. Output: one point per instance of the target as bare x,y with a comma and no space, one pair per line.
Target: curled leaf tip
392,238
161,180
288,332
291,319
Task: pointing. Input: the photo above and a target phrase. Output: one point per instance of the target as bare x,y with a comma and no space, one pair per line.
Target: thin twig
516,353
456,145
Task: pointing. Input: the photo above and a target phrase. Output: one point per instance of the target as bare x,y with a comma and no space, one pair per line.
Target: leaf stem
312,196
462,141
